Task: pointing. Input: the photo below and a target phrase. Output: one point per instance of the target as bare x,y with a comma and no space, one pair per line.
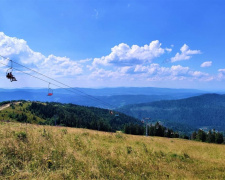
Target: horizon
109,44
100,88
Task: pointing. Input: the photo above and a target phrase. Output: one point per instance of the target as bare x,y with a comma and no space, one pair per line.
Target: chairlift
50,91
111,113
9,74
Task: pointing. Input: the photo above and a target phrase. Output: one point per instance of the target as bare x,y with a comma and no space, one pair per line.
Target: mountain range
182,110
109,98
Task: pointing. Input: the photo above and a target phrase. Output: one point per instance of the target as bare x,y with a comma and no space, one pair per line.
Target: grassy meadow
46,152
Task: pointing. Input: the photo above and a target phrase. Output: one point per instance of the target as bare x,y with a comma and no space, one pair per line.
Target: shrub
64,131
119,135
129,149
21,135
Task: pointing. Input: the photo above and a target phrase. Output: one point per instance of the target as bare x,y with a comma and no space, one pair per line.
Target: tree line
152,130
211,136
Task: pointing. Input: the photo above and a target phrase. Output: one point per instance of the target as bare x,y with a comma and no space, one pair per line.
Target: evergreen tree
194,135
219,138
201,135
211,136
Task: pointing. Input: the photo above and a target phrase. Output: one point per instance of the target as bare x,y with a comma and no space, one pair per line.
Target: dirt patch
7,105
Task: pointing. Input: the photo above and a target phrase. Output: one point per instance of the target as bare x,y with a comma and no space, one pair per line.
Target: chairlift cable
35,76
62,83
85,94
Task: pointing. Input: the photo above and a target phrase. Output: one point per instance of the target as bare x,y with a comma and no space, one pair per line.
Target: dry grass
44,152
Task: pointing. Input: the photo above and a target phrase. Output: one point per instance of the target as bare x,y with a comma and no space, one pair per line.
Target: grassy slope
46,152
19,109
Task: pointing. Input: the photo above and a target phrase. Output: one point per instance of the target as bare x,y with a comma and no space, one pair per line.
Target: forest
80,116
196,112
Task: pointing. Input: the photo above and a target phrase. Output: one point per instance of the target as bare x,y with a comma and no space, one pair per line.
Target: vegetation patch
21,135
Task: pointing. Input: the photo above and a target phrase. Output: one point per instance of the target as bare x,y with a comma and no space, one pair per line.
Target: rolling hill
204,111
65,115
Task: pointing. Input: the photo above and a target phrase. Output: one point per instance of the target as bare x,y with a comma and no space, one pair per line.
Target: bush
64,131
21,135
129,149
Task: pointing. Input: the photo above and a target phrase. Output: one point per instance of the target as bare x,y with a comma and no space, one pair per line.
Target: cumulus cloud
185,54
60,66
18,50
155,72
124,55
206,64
123,64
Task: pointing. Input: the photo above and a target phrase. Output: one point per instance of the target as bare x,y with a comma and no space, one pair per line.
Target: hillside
204,111
46,152
65,115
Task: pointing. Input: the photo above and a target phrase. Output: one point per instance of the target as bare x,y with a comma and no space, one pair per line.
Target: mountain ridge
115,97
204,111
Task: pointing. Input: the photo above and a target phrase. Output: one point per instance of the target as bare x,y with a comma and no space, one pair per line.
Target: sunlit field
46,152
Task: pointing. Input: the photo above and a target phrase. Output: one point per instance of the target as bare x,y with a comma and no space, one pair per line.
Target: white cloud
124,64
221,74
60,66
198,74
222,70
96,13
185,54
152,72
179,70
83,61
156,72
206,64
124,55
18,50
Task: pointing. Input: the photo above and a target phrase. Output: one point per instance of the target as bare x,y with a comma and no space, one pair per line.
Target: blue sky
103,43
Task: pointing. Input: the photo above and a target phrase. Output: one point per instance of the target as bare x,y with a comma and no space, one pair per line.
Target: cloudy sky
114,43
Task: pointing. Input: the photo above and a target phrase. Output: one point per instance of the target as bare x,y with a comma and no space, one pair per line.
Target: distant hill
115,97
204,111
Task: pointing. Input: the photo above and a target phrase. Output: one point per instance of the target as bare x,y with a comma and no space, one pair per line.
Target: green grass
19,108
45,152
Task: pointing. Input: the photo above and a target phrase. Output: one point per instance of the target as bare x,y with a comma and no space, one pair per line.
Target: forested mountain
66,115
204,111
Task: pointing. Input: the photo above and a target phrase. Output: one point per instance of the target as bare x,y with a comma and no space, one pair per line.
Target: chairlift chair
50,91
9,75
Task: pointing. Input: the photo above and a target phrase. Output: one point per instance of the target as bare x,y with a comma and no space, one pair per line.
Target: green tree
201,135
219,138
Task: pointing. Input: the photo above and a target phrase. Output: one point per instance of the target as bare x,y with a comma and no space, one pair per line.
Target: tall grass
45,152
